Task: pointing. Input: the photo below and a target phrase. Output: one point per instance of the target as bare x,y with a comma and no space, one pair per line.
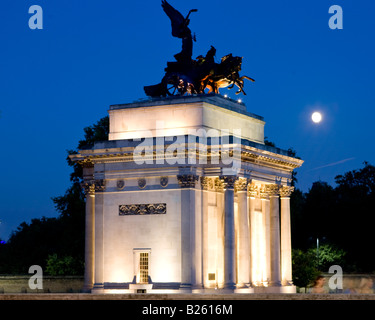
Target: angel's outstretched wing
177,19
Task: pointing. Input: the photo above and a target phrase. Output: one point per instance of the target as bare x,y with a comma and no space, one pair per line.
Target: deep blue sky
91,54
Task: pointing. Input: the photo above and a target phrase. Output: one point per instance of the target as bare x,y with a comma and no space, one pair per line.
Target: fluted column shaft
254,261
275,279
243,277
229,233
205,246
286,244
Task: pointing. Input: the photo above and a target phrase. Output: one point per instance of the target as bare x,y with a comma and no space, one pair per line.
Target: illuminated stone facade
185,197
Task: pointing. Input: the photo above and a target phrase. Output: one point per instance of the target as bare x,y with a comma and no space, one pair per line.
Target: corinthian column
273,191
286,244
266,234
205,182
254,243
243,244
219,188
89,188
229,235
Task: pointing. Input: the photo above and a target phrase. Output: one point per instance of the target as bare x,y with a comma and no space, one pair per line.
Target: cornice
123,151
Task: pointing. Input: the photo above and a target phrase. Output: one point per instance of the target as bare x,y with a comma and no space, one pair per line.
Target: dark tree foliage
61,237
304,266
355,215
342,216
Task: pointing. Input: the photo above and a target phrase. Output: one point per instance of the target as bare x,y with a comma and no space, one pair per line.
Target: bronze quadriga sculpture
189,76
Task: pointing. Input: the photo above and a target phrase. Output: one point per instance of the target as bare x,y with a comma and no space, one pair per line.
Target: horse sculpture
225,74
195,76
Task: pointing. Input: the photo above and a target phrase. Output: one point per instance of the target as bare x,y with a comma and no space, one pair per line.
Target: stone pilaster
189,254
98,234
89,190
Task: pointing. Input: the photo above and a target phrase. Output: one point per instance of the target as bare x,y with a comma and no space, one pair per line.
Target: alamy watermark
36,20
36,280
334,22
335,281
196,146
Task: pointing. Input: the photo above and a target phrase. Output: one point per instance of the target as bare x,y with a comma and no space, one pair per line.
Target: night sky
91,54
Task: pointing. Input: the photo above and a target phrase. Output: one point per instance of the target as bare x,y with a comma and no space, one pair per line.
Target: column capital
99,185
253,190
88,187
219,185
228,181
272,190
286,191
187,180
91,186
241,184
207,183
263,193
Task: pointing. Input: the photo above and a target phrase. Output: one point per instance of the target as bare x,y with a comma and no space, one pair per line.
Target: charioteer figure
188,76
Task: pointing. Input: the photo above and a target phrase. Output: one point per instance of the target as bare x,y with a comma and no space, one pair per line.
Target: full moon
316,117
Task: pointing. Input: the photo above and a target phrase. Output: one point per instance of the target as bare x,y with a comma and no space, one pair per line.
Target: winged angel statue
180,29
195,76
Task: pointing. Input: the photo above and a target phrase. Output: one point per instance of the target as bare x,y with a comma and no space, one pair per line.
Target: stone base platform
238,296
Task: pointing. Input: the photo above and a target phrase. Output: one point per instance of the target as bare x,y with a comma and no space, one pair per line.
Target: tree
320,207
43,240
355,219
342,215
304,267
30,244
328,255
362,180
60,266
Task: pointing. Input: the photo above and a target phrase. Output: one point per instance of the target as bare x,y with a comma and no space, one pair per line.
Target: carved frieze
142,209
